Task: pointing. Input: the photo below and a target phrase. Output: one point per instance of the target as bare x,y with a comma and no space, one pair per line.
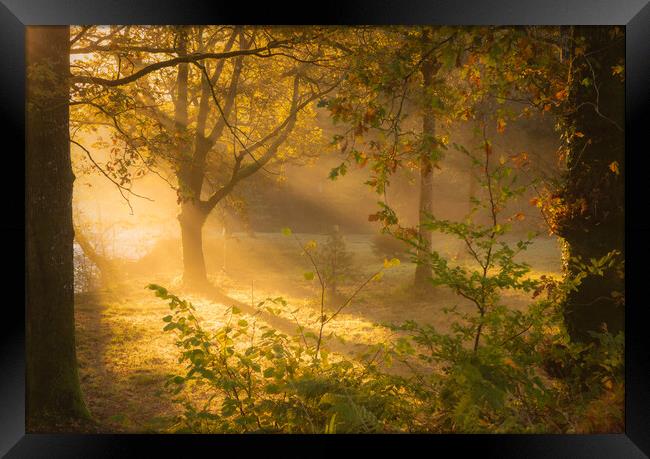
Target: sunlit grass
125,357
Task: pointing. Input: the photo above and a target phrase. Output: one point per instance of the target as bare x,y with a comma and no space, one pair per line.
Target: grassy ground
125,357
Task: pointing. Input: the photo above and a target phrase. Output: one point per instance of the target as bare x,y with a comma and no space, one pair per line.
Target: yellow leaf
392,262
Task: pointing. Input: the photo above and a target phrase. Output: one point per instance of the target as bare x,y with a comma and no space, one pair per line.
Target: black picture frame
633,14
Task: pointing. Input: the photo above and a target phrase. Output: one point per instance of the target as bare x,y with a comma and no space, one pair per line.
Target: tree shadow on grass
123,391
348,348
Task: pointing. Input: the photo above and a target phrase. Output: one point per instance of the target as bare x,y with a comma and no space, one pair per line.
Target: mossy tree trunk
53,392
592,220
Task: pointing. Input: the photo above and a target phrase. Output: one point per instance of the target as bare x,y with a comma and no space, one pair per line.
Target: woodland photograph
325,229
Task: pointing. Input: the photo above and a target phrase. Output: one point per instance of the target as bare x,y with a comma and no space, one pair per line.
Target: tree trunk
191,220
423,271
593,195
53,392
472,187
109,273
190,180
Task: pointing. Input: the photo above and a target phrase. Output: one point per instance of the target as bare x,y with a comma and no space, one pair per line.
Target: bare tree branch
190,58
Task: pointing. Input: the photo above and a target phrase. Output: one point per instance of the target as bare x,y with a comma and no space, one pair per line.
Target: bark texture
53,392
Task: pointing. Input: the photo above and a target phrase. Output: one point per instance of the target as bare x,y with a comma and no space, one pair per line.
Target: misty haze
333,229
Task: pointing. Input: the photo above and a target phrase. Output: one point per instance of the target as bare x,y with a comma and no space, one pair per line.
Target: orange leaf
614,167
501,125
520,160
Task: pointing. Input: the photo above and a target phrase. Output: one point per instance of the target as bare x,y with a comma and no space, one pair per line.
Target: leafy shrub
256,379
335,262
259,380
492,376
502,386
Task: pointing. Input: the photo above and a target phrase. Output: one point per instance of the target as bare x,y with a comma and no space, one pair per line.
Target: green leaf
286,231
228,410
309,276
272,389
268,373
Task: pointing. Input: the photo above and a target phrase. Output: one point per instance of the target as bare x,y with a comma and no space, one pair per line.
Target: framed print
421,219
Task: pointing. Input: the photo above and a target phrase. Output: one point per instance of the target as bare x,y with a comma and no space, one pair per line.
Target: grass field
125,358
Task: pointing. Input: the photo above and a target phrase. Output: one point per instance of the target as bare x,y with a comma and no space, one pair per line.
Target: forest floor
125,358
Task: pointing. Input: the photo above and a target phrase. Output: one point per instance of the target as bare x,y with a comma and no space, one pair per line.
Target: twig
120,187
